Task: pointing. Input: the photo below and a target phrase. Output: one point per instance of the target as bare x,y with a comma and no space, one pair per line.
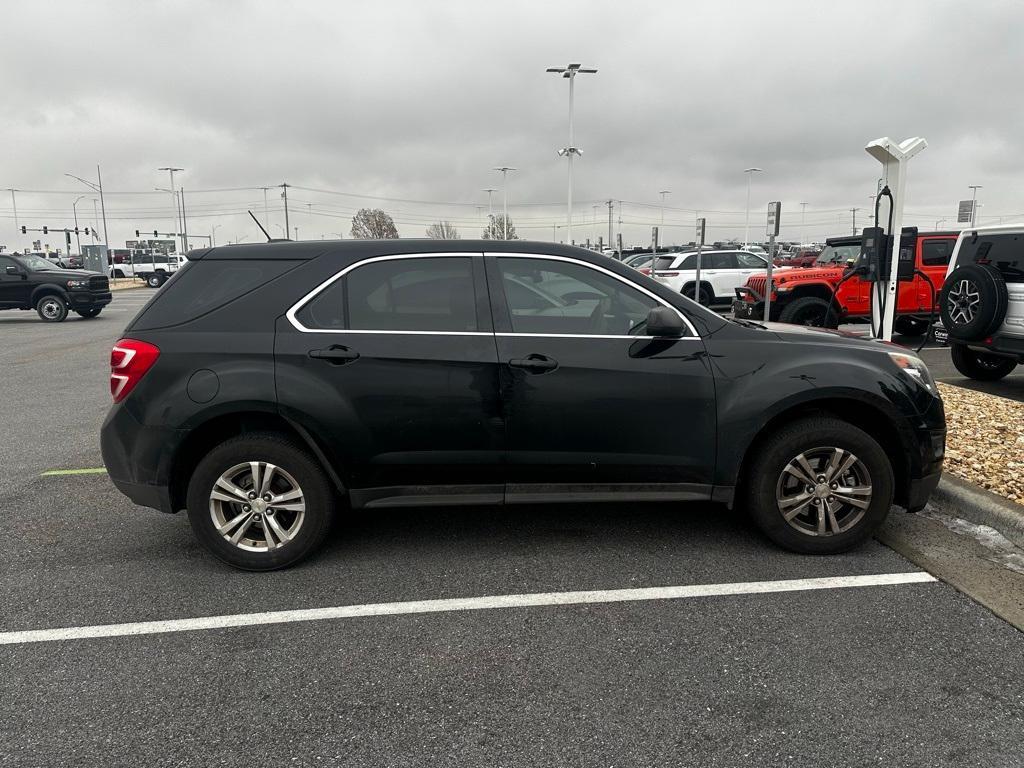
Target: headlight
78,283
915,368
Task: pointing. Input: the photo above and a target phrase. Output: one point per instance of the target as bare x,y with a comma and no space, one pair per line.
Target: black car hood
805,334
59,275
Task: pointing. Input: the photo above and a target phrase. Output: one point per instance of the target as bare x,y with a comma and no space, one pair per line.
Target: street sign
773,219
701,229
964,211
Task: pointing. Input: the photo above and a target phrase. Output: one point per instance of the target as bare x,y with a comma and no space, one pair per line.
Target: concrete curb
960,498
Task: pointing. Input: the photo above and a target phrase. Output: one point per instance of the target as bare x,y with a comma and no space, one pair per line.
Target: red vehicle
805,257
802,296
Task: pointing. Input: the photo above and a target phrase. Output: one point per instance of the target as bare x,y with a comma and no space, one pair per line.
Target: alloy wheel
963,301
257,506
824,491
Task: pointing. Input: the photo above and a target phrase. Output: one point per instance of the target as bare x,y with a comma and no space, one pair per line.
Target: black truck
32,282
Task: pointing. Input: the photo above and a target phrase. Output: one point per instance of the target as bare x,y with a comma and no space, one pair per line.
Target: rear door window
410,294
935,252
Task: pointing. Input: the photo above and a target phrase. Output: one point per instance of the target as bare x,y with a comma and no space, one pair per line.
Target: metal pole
746,230
14,204
103,207
854,212
184,219
611,247
572,146
768,282
285,196
266,208
504,223
803,221
974,198
74,211
95,218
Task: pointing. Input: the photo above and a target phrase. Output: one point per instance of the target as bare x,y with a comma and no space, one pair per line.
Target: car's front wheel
52,309
810,311
819,486
981,366
260,502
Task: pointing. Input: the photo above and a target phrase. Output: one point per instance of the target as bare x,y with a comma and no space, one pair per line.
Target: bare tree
442,230
373,224
496,229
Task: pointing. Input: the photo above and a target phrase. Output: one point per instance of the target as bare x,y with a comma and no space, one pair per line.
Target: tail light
129,361
644,270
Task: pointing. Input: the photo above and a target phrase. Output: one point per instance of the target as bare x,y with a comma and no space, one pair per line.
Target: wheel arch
223,426
868,415
816,290
48,289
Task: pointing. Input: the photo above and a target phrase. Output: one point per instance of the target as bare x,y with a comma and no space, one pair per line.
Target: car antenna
269,238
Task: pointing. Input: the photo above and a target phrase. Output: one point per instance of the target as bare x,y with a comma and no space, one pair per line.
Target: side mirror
12,271
663,321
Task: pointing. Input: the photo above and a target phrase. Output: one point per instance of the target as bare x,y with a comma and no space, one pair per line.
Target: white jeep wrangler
982,302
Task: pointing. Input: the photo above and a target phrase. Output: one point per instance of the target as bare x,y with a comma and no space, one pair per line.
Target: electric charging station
880,251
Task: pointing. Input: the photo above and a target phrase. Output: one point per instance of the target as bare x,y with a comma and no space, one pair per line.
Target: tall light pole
974,197
595,223
938,224
177,212
663,193
74,212
97,187
266,206
179,228
569,72
504,190
213,234
750,175
803,222
14,204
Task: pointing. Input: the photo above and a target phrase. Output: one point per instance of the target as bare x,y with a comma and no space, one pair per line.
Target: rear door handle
336,354
534,363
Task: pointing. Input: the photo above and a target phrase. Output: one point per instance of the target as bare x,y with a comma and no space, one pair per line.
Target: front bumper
89,299
748,310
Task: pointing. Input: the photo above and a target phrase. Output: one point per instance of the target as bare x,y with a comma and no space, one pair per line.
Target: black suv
267,386
32,282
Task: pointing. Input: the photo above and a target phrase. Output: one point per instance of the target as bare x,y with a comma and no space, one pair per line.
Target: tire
810,311
295,534
981,366
770,487
87,314
118,273
910,326
706,296
973,302
51,308
155,280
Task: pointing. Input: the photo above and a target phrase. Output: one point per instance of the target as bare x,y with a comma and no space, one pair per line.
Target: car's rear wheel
155,280
819,486
706,296
260,502
910,326
981,365
88,313
810,311
52,309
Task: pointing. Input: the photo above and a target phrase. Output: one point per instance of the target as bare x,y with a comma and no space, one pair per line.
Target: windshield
835,254
37,263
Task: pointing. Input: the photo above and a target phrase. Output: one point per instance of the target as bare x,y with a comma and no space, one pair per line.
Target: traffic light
86,230
24,231
155,233
76,230
137,235
46,230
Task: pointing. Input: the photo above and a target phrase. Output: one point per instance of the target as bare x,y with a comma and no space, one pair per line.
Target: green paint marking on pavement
90,471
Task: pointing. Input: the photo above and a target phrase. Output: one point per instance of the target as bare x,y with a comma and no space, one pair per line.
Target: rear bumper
138,458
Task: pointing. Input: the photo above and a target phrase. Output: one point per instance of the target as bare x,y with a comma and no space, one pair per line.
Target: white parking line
460,604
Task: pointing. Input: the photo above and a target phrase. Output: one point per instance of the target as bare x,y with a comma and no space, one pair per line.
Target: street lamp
213,234
179,227
974,198
803,221
97,187
504,189
74,212
750,175
569,72
176,213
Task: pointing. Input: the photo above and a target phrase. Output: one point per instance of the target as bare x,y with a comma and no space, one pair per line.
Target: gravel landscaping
985,444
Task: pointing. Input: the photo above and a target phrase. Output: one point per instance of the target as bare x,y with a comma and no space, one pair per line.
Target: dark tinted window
6,262
750,261
419,294
936,253
1004,252
719,261
549,296
198,287
664,262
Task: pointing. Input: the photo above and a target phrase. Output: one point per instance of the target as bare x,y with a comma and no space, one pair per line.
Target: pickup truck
154,268
802,296
28,282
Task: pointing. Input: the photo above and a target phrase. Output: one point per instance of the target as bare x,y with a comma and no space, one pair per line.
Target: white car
721,272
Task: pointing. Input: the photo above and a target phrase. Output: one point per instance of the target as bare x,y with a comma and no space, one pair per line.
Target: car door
392,363
14,288
721,272
592,407
934,259
748,264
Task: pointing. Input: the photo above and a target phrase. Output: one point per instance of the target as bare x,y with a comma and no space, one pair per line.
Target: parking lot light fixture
750,175
569,72
663,193
504,191
179,227
96,187
974,200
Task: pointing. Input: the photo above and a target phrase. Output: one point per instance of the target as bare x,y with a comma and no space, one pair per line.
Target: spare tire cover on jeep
973,301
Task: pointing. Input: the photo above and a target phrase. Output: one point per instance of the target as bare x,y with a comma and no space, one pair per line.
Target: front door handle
336,354
534,363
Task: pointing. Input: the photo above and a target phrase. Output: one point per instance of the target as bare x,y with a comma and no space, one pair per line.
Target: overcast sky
417,101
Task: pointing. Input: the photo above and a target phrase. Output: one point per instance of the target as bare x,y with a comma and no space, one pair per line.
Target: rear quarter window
199,287
1005,252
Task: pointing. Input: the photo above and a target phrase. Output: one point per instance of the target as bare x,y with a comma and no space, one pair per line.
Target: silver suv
982,302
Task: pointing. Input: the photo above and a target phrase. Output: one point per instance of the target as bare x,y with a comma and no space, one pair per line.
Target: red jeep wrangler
801,296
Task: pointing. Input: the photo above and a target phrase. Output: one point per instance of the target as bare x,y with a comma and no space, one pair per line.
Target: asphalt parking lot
816,671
